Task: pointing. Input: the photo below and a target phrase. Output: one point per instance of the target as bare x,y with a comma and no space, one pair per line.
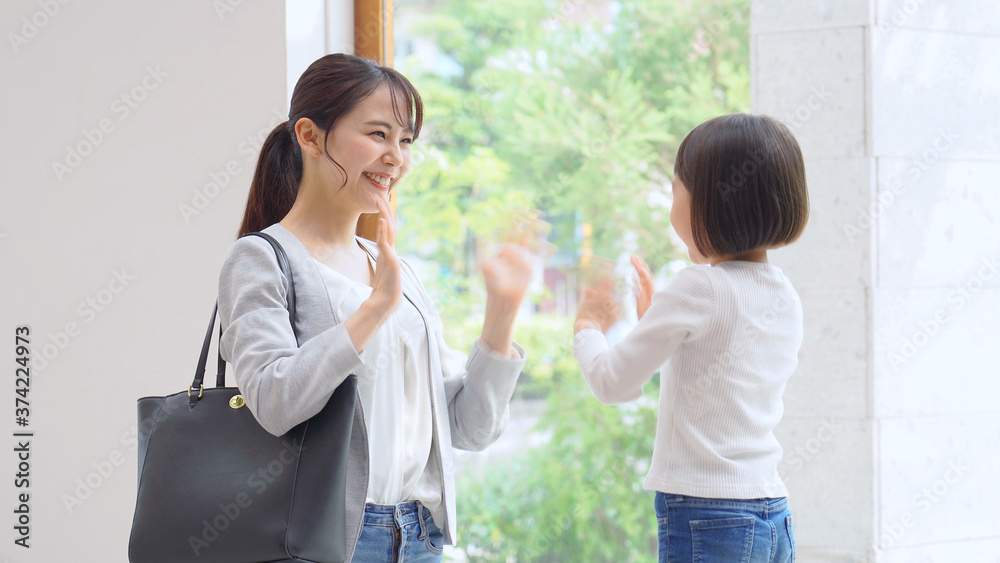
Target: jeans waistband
398,515
767,505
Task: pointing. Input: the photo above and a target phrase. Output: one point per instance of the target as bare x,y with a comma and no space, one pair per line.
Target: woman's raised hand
508,274
387,285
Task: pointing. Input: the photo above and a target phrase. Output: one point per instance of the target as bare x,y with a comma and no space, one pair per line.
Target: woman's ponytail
275,181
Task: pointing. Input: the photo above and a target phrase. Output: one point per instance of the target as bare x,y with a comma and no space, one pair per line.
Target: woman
362,310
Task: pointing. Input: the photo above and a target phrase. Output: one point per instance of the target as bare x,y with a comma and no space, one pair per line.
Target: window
574,108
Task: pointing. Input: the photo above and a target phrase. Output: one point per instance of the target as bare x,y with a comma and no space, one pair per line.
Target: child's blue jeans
705,530
404,533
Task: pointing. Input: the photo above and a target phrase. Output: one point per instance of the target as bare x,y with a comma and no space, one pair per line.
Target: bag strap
220,378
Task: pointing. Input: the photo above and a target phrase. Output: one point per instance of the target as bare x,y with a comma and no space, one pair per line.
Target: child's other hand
644,287
598,308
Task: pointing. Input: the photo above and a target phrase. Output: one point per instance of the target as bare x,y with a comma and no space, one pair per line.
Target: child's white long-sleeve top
726,340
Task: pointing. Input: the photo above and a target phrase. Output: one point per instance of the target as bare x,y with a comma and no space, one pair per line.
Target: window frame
373,38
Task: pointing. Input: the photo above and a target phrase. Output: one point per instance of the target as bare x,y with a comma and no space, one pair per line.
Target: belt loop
420,519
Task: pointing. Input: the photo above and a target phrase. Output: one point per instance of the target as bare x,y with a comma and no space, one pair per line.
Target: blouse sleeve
283,383
680,313
478,386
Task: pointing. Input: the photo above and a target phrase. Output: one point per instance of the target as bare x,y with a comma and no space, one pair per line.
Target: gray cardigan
285,383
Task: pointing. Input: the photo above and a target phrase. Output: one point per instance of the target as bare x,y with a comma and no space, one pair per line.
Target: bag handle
220,378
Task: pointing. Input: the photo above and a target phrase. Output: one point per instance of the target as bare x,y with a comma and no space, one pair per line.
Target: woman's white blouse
394,386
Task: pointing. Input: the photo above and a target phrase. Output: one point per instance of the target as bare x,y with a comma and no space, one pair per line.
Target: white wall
204,86
936,141
808,69
895,103
314,28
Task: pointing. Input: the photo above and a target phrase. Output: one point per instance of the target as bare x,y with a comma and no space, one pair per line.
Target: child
725,337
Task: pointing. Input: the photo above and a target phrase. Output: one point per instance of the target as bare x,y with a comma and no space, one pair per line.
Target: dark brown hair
747,183
329,89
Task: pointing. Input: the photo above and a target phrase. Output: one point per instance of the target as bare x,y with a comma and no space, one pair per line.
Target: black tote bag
215,487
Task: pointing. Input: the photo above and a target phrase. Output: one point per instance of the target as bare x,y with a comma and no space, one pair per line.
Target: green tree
575,108
576,499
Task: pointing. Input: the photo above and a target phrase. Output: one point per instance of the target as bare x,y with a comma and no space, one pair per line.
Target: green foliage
550,360
575,108
578,497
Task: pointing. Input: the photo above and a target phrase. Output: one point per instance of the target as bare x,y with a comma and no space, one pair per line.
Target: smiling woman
372,144
328,91
361,310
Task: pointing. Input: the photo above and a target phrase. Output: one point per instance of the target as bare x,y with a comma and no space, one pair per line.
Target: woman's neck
320,221
327,231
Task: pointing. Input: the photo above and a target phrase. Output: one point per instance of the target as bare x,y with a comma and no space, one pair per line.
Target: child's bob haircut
747,184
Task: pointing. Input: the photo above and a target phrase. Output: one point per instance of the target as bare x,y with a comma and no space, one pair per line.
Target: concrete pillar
892,429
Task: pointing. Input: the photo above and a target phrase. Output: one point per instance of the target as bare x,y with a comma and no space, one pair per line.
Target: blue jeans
705,530
404,533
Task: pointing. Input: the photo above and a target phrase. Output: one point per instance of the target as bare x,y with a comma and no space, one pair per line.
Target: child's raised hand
644,287
599,307
598,310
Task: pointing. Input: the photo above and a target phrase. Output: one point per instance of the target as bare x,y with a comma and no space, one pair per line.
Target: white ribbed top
726,340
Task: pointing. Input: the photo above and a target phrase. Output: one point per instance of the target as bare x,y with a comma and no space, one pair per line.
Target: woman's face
680,219
373,148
